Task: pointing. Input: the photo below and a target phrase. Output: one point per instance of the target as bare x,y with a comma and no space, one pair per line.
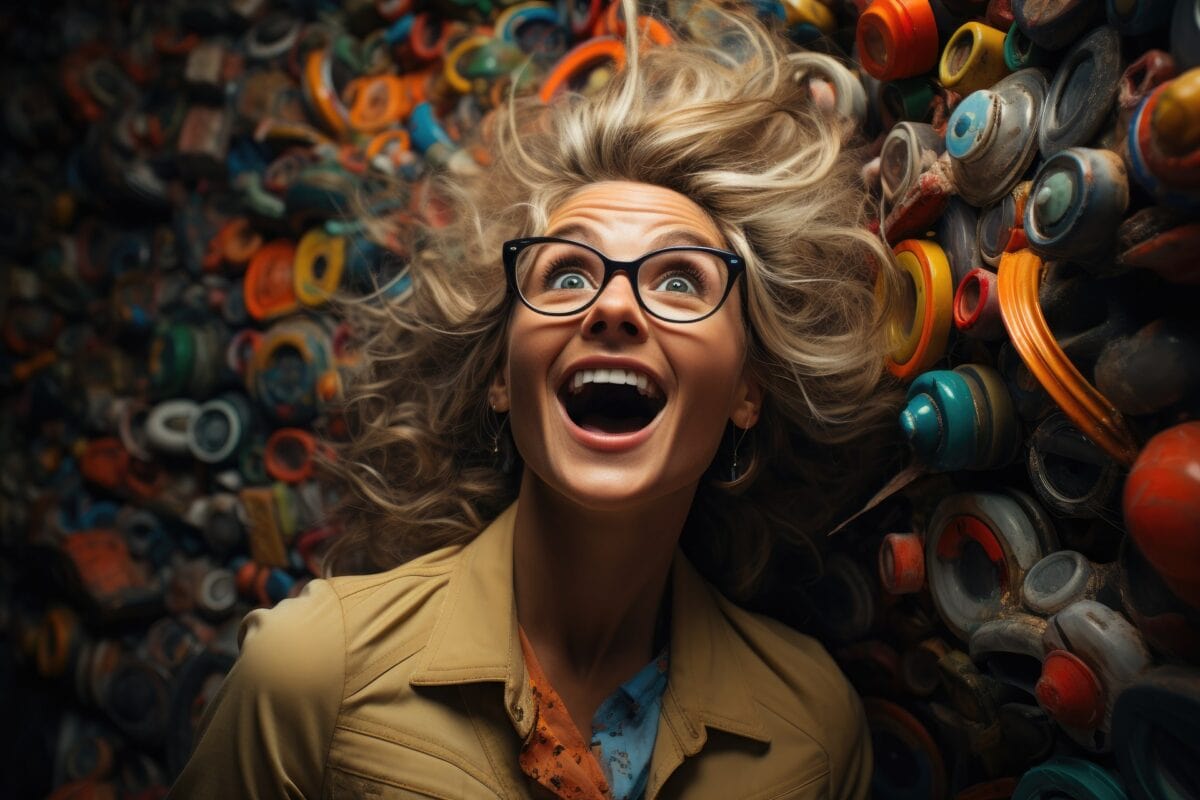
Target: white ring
168,423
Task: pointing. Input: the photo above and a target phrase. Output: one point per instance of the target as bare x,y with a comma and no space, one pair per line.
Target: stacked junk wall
186,184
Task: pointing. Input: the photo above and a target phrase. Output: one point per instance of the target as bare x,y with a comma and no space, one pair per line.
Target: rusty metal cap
992,136
1082,93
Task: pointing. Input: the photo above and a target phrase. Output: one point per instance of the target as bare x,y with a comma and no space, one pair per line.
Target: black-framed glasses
559,277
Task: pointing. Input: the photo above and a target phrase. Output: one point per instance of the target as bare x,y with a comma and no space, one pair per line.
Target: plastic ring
376,102
511,19
425,45
269,285
973,58
1063,776
901,739
321,93
897,39
217,594
289,455
218,428
450,69
918,345
272,36
425,129
1155,730
979,545
902,563
319,265
578,60
168,423
235,244
977,306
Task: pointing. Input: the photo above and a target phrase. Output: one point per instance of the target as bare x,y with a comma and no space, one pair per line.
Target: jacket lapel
475,637
705,686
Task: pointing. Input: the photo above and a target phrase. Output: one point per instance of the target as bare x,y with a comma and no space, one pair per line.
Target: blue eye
676,283
571,281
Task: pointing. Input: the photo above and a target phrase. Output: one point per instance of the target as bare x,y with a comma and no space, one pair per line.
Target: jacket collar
475,639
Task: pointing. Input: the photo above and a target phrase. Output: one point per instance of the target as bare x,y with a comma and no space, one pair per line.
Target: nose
616,314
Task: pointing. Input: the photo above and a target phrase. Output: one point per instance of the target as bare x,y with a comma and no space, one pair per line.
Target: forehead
624,208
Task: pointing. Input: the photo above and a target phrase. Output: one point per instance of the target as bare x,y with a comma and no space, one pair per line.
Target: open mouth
611,401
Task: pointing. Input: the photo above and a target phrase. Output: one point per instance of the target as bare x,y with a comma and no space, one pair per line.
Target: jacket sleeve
267,732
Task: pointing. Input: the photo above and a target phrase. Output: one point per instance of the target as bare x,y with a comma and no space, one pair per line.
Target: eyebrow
680,236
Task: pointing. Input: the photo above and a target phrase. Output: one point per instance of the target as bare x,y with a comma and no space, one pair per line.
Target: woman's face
580,432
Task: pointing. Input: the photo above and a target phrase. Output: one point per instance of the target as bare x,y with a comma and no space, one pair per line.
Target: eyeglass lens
558,278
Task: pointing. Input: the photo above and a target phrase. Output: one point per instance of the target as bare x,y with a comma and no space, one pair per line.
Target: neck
589,584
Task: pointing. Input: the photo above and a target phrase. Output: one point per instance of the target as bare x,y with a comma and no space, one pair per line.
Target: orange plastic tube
1018,277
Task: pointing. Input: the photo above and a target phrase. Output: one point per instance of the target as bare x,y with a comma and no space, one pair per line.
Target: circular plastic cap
1069,691
902,563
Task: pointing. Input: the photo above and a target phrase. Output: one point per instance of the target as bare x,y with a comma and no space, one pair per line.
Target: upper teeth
643,382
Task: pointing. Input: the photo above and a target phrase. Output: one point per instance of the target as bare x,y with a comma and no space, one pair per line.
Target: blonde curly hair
743,139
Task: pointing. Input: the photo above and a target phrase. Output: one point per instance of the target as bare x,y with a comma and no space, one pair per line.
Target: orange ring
1017,282
391,142
235,243
612,24
279,465
268,286
327,105
580,57
376,102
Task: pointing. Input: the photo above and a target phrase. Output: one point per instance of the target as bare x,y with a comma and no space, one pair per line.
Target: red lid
1069,691
902,563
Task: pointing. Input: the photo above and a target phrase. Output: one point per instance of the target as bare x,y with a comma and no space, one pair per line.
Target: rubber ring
578,59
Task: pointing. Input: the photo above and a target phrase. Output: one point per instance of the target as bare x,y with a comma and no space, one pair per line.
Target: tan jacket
411,683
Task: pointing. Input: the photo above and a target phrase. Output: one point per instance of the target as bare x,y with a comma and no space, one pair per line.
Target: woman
649,319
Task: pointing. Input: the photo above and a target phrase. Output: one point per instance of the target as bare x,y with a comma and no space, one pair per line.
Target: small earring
734,474
503,448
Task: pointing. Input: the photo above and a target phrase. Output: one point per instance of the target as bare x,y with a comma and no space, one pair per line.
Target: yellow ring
811,12
984,64
927,265
453,77
313,290
904,340
272,342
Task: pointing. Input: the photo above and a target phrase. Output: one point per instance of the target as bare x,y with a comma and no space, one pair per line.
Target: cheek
713,366
531,351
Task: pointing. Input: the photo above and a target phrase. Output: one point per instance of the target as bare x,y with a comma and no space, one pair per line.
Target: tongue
599,423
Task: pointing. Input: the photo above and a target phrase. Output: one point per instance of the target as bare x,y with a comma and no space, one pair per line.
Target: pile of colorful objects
187,184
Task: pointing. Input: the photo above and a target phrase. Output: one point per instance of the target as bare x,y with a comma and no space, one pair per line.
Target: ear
498,391
747,402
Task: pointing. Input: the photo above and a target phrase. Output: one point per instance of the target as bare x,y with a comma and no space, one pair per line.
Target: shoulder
787,658
312,641
798,686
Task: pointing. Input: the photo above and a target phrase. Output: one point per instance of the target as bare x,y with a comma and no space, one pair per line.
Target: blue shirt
624,727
